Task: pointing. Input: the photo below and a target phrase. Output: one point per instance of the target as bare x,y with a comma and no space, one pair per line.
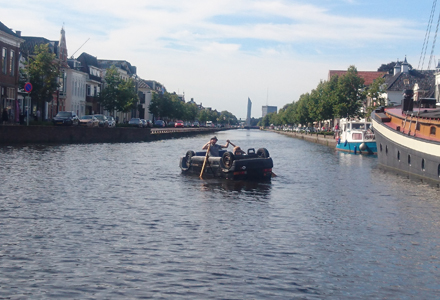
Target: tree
42,70
350,95
376,91
118,94
389,68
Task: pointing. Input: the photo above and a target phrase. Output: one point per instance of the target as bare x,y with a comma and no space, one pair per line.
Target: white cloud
286,46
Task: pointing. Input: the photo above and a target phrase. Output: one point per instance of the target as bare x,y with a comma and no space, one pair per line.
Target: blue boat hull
355,147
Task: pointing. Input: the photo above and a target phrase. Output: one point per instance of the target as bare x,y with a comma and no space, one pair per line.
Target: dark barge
254,165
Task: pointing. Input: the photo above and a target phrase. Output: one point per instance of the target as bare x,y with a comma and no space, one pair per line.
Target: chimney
18,32
397,68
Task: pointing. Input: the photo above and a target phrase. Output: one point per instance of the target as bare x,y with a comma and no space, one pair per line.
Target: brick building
9,74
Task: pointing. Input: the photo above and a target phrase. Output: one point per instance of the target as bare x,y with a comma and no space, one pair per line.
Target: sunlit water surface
120,221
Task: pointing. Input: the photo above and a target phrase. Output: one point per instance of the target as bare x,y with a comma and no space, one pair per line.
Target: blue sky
220,52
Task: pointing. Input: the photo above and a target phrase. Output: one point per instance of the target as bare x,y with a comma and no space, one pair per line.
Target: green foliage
339,97
42,70
349,98
169,106
118,94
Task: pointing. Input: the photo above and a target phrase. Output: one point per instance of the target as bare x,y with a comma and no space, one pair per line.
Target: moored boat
253,165
356,136
408,139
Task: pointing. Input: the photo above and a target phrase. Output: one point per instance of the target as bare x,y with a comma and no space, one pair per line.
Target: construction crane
72,57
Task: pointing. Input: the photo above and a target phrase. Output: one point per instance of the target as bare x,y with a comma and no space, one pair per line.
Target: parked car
136,122
144,123
68,118
88,121
178,123
159,123
150,124
111,122
103,122
195,124
170,124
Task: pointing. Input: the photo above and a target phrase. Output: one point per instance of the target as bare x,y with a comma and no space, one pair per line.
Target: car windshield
88,117
100,117
110,118
64,114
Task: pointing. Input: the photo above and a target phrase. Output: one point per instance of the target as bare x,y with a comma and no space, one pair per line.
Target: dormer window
432,130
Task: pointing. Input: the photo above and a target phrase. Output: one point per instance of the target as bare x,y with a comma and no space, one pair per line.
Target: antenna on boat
426,41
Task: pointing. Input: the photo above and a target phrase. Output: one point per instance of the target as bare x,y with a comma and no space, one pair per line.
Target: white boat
356,136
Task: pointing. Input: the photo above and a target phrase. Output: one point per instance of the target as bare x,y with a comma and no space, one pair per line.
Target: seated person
215,148
238,151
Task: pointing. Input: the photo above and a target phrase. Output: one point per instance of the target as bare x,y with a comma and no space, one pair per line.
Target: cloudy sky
220,52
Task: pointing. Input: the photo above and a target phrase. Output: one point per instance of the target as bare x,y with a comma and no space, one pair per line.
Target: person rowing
214,148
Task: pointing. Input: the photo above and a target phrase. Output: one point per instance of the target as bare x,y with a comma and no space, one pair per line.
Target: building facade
268,110
9,74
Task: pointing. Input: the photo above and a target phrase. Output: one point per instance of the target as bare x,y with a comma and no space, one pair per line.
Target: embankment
327,140
10,135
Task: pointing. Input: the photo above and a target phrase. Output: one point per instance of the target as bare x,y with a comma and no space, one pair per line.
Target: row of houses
80,82
425,83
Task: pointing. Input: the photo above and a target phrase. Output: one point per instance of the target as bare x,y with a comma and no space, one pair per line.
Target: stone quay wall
11,135
327,140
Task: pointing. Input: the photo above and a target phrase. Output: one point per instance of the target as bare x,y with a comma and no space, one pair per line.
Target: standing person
5,116
38,115
215,148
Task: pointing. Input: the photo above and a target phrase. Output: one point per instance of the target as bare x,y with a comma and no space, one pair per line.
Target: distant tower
62,48
249,108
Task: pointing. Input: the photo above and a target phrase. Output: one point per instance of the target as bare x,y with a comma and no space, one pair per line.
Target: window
380,147
88,90
386,149
423,164
409,159
432,130
398,155
356,136
4,60
12,63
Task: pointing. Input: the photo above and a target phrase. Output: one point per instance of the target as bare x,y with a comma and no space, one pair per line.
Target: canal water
120,221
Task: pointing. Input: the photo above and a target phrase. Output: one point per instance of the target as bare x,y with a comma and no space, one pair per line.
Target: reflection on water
250,189
119,221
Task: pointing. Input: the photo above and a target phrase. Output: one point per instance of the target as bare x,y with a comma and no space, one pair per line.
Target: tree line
43,69
339,97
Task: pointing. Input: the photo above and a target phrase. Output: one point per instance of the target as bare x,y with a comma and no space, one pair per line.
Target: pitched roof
143,85
4,28
28,46
401,81
367,76
88,60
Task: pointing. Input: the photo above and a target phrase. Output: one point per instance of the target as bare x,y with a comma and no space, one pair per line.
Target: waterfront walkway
322,139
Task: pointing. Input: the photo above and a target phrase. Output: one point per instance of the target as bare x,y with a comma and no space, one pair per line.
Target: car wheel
188,156
227,159
262,152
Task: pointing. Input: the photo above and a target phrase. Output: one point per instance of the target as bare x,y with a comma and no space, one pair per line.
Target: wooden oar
204,162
